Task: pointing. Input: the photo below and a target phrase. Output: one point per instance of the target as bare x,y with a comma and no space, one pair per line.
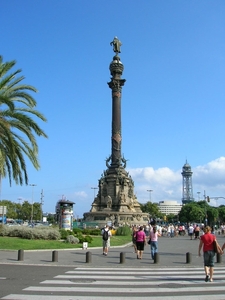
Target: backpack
105,235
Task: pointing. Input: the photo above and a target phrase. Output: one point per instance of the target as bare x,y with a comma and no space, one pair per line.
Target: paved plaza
172,253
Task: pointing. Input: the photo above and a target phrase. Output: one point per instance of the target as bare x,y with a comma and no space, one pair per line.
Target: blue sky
172,102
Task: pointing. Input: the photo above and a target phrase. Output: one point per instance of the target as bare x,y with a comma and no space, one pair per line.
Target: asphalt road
14,278
38,266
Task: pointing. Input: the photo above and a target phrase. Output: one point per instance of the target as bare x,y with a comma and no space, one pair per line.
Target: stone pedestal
115,201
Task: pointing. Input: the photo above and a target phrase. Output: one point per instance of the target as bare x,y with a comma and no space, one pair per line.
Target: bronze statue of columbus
116,44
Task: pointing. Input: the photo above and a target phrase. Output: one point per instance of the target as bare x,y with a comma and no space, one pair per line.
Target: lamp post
150,194
94,188
42,202
32,205
206,220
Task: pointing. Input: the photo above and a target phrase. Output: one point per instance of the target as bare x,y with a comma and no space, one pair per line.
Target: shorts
209,258
140,246
106,244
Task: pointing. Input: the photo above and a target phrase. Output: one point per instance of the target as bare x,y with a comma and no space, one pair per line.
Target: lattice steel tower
187,184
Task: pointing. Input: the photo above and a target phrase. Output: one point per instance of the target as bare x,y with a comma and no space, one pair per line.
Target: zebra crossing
185,283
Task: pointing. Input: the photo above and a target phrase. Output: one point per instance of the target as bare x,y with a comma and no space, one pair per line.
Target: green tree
37,211
221,212
26,210
152,209
192,212
11,211
212,215
171,218
18,129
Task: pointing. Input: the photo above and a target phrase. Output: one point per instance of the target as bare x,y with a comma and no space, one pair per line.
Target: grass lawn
12,243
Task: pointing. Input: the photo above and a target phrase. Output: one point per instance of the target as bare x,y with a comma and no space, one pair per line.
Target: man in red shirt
206,240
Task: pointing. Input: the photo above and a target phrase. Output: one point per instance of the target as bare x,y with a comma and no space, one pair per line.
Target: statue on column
116,45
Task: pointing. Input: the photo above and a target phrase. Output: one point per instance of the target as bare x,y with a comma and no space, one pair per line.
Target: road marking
61,297
160,284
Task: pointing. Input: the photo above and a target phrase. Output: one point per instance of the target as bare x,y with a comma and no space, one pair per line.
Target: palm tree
18,129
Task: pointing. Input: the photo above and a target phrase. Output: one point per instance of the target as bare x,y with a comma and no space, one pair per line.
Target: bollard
188,258
218,258
55,256
156,258
88,257
122,257
20,255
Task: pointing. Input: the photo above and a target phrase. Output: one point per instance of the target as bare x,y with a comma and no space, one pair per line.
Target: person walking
133,234
140,242
153,237
197,231
106,234
191,231
207,242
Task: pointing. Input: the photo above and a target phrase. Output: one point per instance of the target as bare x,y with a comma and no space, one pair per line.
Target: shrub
80,237
41,233
87,231
88,239
95,232
124,231
72,239
64,233
3,230
77,230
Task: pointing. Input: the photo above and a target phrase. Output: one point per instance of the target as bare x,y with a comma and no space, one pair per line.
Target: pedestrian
153,238
207,241
140,242
190,231
197,230
133,234
106,234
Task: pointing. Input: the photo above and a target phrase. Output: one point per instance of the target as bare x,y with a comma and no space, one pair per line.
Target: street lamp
94,188
32,205
42,201
150,194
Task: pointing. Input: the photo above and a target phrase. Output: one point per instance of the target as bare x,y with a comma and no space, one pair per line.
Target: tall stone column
116,83
115,201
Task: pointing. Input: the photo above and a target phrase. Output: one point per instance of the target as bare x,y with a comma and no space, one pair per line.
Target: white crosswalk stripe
128,283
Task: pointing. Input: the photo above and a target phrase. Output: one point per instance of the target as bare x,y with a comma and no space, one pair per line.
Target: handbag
216,247
149,241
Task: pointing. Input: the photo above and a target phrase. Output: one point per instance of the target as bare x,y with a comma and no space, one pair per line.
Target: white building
169,207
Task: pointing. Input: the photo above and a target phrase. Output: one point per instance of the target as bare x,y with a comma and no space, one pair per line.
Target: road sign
3,210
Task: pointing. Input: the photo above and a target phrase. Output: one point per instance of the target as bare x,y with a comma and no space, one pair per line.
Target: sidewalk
172,253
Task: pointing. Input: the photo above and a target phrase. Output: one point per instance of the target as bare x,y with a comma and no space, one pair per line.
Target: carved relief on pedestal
131,204
137,216
104,189
122,198
108,201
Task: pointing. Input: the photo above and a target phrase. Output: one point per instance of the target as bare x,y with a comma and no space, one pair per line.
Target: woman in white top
154,234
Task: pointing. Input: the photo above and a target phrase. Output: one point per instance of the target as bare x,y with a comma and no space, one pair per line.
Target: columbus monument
115,201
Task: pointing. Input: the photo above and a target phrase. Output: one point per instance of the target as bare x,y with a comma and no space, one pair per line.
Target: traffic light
208,199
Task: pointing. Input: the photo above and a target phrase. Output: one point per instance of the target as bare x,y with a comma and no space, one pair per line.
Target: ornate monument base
115,202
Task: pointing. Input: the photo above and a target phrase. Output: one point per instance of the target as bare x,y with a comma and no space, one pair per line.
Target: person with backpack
106,234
